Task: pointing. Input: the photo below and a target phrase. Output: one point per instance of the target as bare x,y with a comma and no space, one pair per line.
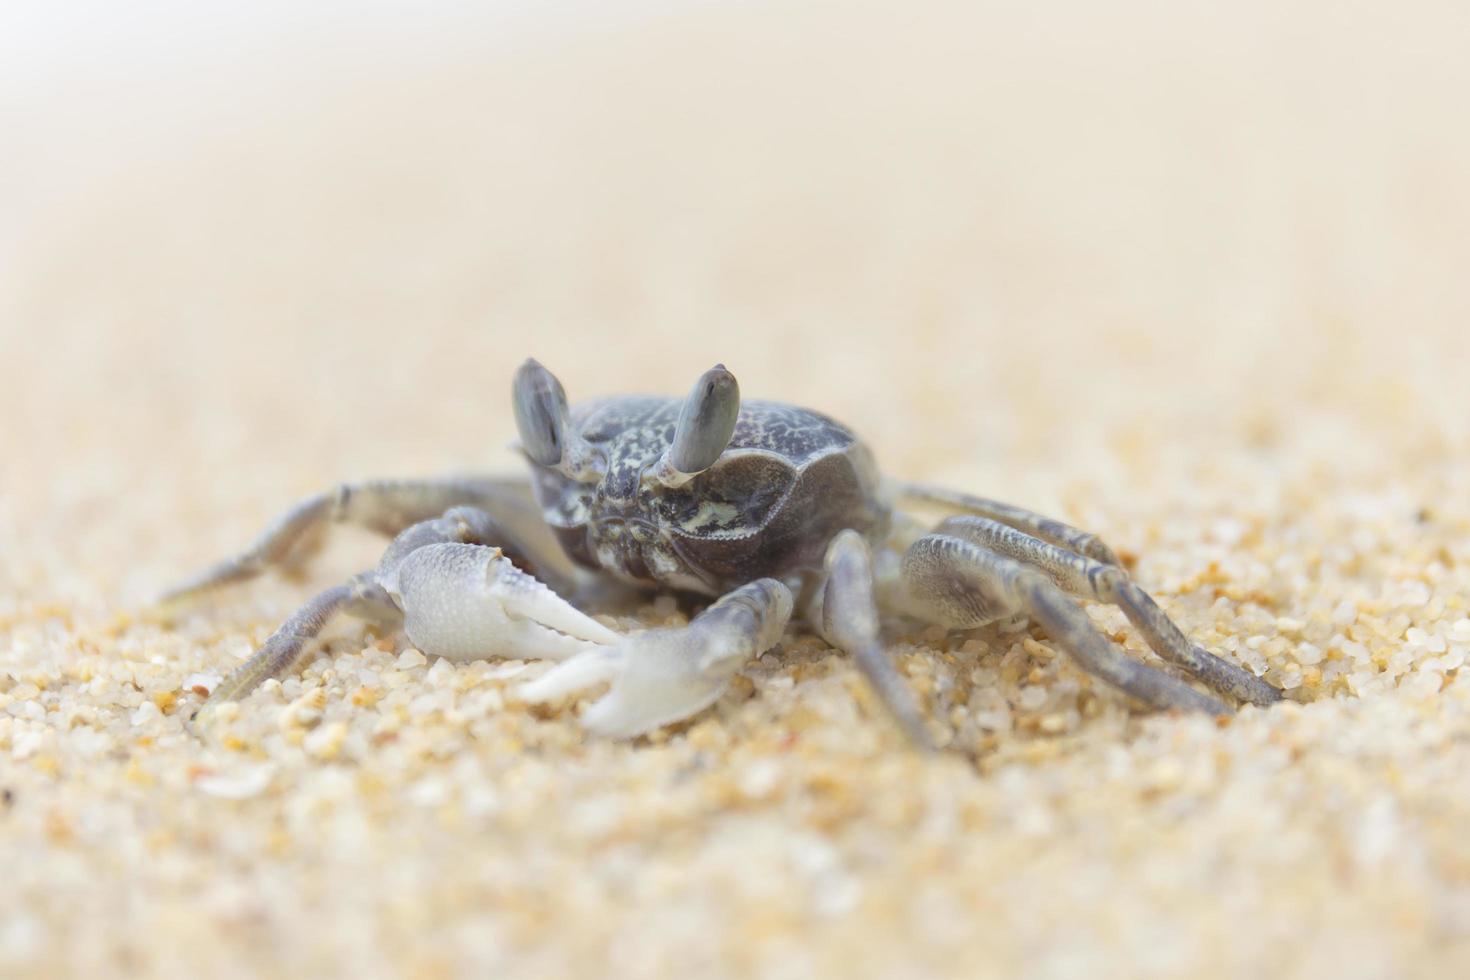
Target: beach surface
1192,280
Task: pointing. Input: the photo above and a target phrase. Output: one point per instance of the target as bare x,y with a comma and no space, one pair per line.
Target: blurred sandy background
1191,275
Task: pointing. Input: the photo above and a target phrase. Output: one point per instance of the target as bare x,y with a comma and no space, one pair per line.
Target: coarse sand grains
1151,275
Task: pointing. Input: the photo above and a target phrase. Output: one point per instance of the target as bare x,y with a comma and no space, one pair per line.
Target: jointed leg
960,584
1091,579
1038,525
847,616
386,506
449,591
288,645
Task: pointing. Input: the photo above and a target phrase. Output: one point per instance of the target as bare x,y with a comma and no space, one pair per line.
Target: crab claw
466,602
654,683
665,675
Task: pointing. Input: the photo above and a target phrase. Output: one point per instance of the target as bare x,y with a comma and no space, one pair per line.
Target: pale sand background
1193,279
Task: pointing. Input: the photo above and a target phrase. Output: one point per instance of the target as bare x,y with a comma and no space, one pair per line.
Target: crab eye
706,422
541,413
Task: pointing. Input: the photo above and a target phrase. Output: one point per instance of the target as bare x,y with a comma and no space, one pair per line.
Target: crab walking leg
1089,579
846,613
959,584
1038,525
288,645
662,676
386,506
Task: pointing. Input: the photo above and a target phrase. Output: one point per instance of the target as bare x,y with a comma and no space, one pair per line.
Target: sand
1194,281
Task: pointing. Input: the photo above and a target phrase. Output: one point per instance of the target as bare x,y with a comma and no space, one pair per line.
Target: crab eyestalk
544,423
706,423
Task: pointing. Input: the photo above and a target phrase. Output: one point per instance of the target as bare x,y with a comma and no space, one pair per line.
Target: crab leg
1089,579
288,645
1032,523
959,584
845,612
386,506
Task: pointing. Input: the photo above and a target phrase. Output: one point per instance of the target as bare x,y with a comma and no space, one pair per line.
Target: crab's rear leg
385,506
1088,579
1048,529
959,584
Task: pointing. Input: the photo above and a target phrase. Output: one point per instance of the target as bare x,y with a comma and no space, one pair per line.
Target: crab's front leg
661,676
388,507
456,594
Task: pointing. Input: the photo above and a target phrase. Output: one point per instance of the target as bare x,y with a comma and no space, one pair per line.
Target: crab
765,507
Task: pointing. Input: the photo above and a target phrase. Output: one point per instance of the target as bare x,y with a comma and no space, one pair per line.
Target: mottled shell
790,479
